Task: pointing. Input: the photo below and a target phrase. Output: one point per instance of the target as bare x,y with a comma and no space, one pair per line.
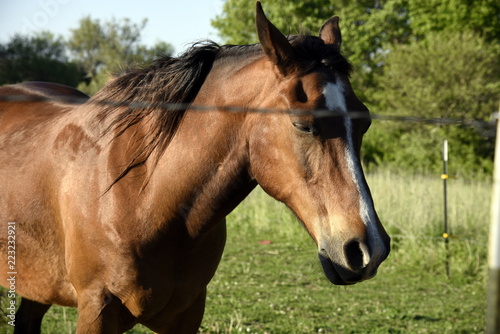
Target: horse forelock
312,51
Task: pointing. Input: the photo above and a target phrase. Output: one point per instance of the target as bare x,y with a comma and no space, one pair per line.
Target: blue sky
178,22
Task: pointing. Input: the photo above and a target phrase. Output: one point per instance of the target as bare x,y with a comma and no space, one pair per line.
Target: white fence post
493,293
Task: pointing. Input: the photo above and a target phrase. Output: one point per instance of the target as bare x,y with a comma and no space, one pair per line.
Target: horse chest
167,280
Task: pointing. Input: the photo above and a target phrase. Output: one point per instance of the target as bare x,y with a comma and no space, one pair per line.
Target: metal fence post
446,234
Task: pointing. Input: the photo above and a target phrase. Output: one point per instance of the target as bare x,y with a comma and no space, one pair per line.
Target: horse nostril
356,254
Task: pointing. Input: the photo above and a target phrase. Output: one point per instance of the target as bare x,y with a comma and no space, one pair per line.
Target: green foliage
445,75
41,57
481,17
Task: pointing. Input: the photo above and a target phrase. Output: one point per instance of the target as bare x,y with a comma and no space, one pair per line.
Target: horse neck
203,174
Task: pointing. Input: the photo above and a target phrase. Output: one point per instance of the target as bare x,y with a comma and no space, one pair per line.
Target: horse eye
305,127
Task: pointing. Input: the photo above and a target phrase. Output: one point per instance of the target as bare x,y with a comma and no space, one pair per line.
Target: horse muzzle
355,262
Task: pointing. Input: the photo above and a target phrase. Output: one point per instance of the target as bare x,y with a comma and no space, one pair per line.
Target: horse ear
275,45
330,33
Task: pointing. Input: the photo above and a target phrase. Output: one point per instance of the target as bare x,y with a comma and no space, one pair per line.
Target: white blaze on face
335,101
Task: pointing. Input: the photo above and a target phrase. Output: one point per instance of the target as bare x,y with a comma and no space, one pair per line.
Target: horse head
311,161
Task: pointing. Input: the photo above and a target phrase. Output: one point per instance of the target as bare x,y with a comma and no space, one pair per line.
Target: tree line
84,60
425,58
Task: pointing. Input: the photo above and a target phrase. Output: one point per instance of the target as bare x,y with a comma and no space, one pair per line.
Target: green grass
279,287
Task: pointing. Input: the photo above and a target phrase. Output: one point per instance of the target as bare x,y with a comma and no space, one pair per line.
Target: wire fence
484,127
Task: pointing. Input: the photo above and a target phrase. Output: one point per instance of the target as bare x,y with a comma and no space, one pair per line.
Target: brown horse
118,209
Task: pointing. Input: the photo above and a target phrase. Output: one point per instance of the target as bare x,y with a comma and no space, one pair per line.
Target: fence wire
484,127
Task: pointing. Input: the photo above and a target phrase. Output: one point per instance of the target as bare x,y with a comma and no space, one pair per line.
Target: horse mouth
340,276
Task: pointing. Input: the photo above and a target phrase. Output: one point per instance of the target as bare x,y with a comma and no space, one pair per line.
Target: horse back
40,98
45,89
27,104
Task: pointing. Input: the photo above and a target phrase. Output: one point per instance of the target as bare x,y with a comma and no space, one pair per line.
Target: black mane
141,95
311,51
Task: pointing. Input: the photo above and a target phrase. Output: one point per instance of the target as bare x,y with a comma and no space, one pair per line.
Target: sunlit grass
278,286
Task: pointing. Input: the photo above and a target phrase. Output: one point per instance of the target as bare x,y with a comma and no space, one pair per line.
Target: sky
178,22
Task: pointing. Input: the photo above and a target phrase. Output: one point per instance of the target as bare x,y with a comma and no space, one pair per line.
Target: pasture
270,280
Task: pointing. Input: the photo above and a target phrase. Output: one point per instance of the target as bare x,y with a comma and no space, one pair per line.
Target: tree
481,17
104,48
41,57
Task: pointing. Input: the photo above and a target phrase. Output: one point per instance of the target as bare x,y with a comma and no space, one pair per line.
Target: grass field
279,287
